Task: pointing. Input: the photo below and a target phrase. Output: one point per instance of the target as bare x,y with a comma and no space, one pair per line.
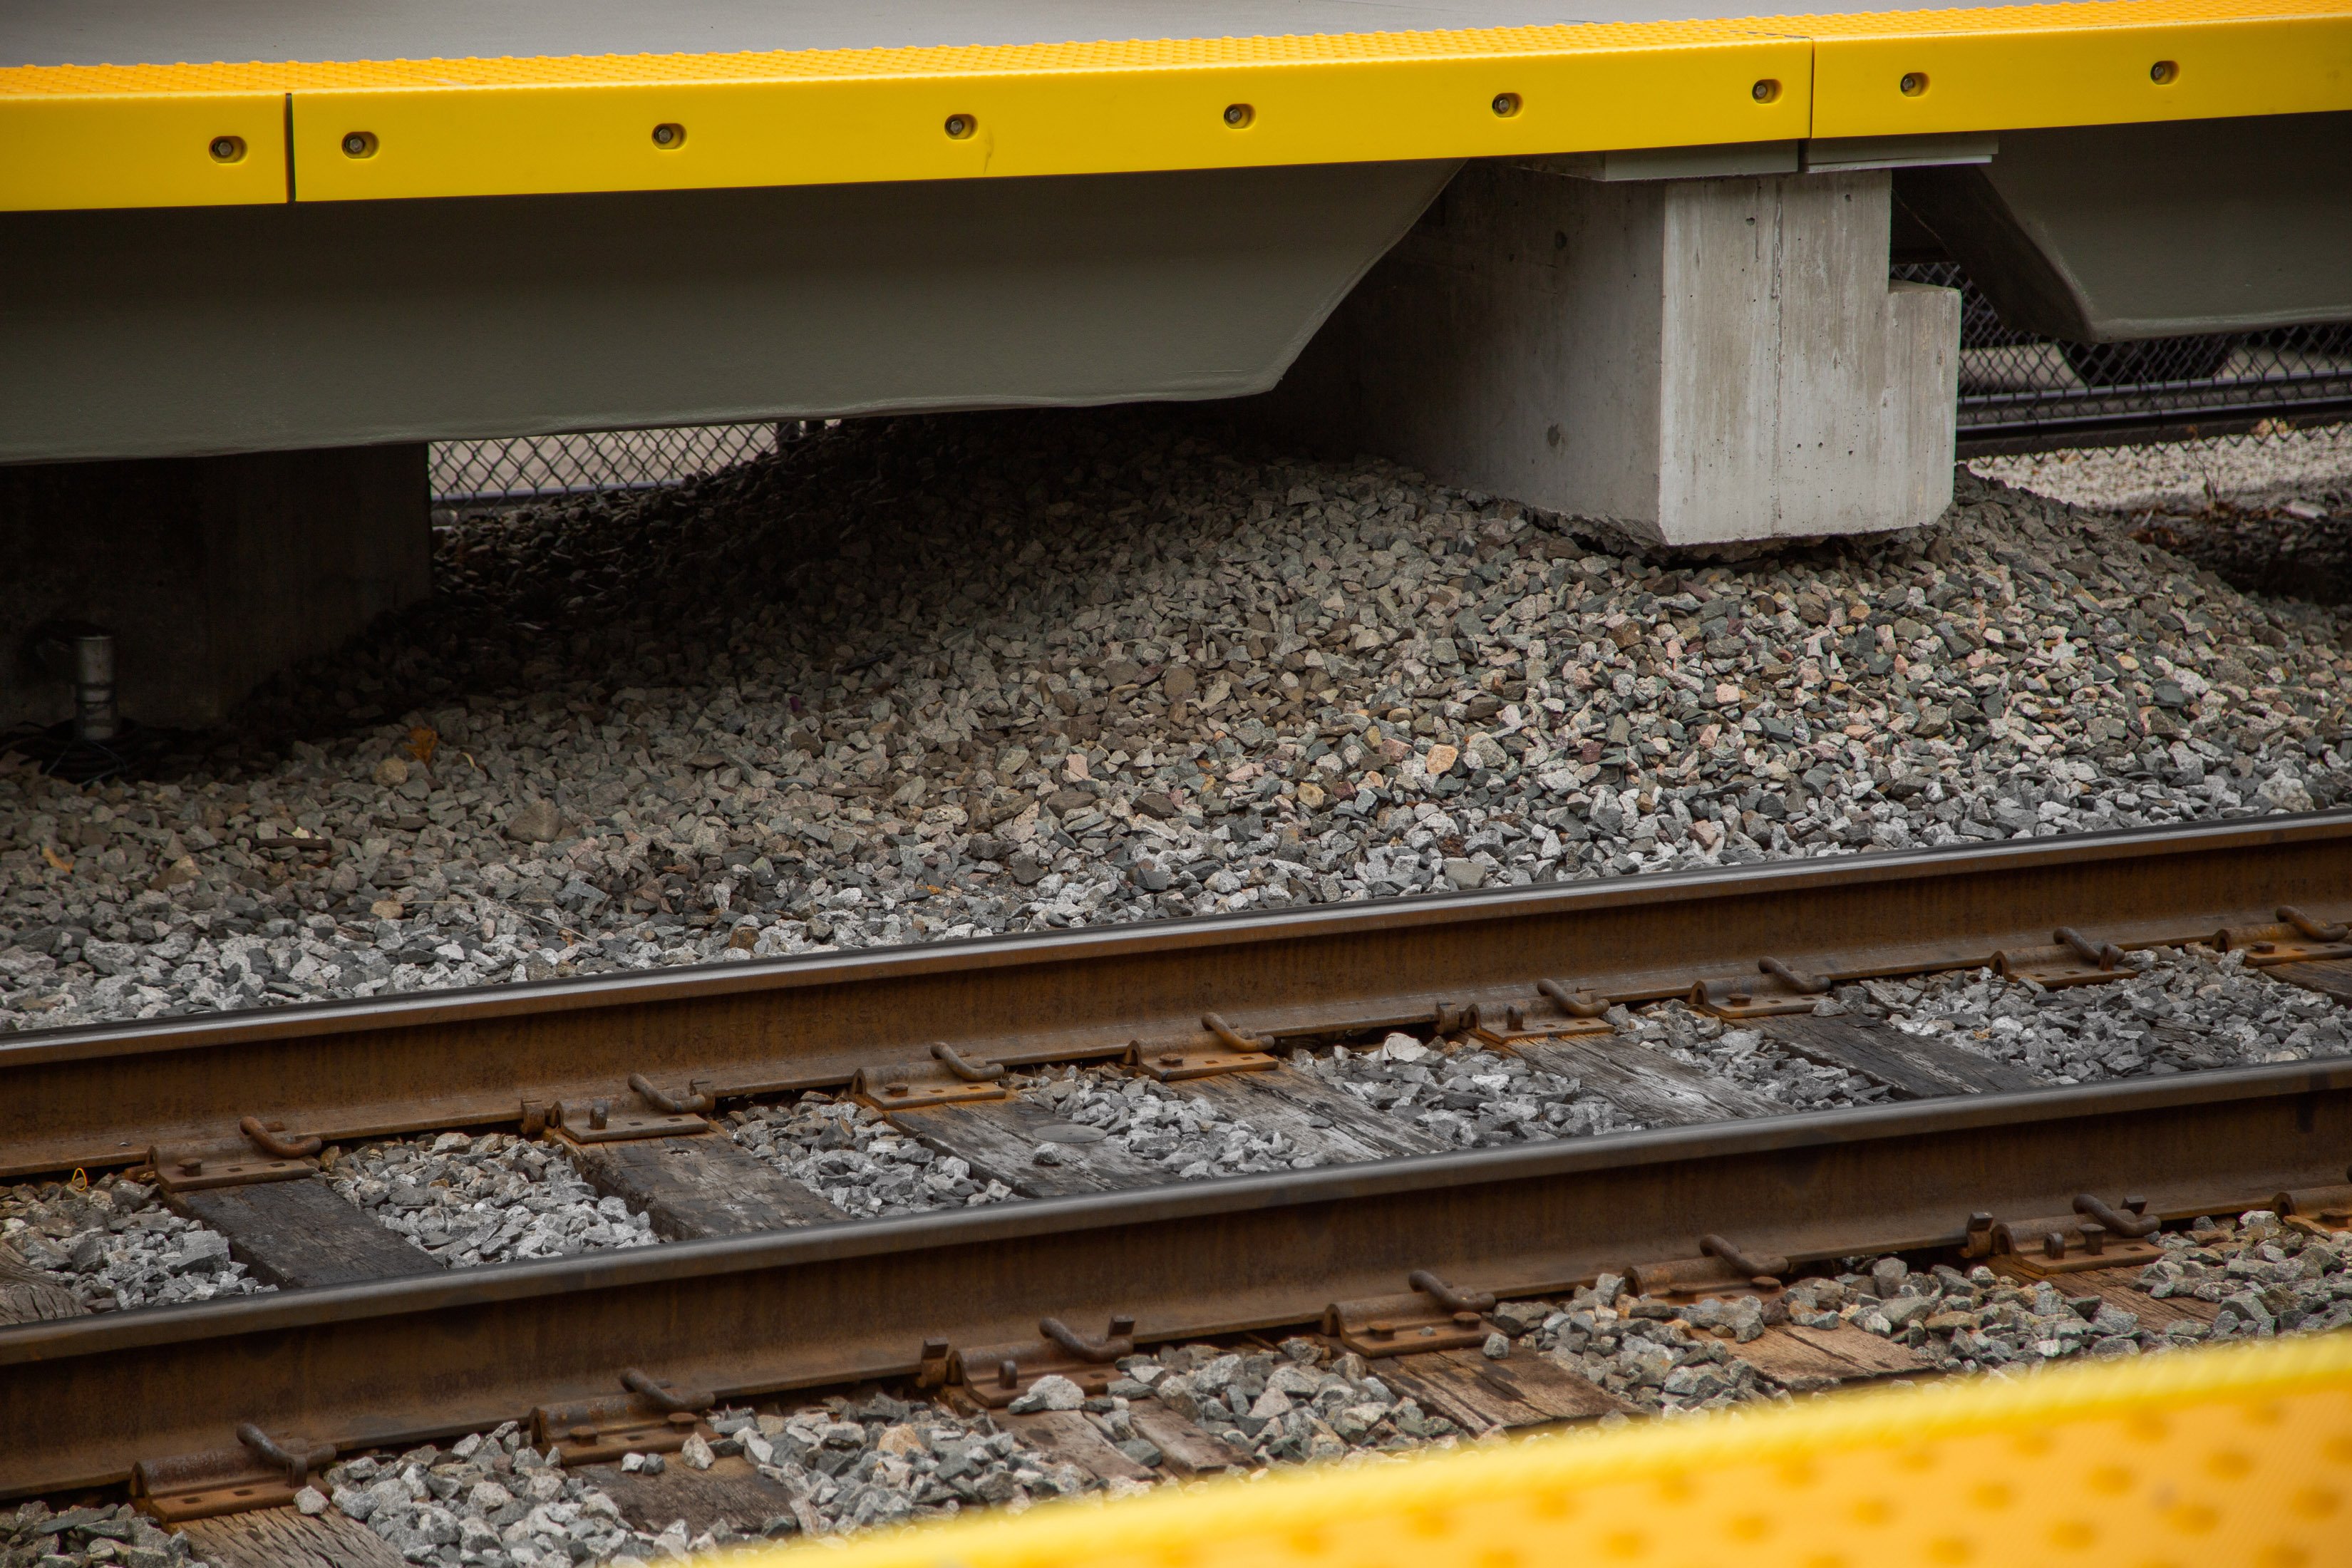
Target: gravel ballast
923,680
919,679
2182,1010
109,1243
851,1156
494,1198
2311,468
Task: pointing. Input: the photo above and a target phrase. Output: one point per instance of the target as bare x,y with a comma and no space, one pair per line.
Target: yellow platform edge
2209,1459
106,136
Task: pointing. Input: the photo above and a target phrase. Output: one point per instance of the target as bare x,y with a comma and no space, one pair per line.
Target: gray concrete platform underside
174,331
210,572
2108,232
1697,361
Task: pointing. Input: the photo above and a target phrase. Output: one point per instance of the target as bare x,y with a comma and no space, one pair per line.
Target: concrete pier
1698,361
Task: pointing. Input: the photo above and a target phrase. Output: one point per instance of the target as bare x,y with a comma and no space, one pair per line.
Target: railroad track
1396,1255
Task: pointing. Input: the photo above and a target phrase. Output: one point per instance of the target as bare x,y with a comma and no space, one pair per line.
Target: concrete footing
1695,361
210,572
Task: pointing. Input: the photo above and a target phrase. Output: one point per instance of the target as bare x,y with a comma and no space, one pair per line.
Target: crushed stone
1120,667
109,1243
490,1198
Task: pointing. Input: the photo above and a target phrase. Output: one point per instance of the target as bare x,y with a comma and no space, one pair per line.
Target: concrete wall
212,572
1696,361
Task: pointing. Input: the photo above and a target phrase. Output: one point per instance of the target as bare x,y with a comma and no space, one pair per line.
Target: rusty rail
102,1096
391,1363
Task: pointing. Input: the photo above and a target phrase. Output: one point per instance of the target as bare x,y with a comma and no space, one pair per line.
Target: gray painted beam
191,330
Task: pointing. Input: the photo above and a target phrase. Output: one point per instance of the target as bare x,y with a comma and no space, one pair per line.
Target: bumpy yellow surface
98,135
2235,1457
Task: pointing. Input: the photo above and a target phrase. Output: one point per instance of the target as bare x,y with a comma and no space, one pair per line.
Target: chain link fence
478,473
2020,392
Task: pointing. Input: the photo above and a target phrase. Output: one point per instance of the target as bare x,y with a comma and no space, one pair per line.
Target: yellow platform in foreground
104,136
2235,1457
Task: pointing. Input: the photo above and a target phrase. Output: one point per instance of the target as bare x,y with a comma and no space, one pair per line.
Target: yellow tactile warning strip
2220,1459
96,136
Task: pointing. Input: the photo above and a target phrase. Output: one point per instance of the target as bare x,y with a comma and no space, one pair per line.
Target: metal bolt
227,149
1914,83
1507,104
2094,1236
2163,72
358,144
1238,115
959,126
600,1112
668,135
1765,91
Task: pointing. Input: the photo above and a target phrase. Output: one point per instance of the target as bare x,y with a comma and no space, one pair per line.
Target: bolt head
959,126
1914,83
356,144
1237,114
1507,104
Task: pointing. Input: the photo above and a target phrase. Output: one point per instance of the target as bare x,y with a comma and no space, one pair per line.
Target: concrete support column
1698,360
212,572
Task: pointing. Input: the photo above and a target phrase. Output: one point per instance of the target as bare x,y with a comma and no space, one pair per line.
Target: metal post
93,676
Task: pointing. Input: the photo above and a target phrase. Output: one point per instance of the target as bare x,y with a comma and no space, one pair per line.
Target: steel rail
102,1096
2057,429
85,1399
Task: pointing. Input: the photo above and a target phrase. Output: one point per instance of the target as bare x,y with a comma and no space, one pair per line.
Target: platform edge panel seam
124,136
